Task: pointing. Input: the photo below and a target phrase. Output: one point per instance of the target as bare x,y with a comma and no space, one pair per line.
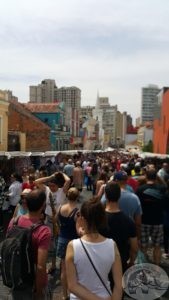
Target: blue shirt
129,203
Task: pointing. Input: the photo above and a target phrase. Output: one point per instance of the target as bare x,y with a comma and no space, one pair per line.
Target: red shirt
133,183
27,185
41,236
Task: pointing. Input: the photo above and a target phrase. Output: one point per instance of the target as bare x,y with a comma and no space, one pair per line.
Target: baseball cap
120,176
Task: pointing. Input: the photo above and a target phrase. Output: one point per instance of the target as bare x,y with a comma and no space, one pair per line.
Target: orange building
161,123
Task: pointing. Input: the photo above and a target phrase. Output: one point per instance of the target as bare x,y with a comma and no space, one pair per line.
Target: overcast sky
114,47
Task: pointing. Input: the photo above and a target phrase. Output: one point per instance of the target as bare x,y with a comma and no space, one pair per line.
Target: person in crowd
35,201
78,176
68,169
152,202
120,227
30,183
94,176
129,203
14,192
100,184
83,281
137,171
166,223
56,187
67,224
130,180
25,175
88,176
42,172
163,172
21,208
84,164
2,199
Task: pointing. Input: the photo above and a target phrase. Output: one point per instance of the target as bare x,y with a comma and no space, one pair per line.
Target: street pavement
55,282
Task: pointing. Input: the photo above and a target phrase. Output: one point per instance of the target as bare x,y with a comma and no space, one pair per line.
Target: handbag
95,268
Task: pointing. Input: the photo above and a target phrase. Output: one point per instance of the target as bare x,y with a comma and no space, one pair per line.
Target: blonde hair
72,194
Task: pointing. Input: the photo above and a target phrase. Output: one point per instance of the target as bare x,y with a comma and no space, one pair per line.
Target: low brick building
21,122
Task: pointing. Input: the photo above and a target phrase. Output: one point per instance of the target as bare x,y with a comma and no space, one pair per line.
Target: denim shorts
61,247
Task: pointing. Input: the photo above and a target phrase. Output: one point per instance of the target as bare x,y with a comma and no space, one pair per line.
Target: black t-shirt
120,228
152,201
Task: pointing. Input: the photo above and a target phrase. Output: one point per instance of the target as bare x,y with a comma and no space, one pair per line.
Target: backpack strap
32,227
36,225
15,220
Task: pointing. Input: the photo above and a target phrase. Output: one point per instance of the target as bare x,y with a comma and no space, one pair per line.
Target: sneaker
165,255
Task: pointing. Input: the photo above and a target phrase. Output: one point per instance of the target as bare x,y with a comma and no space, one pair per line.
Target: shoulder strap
15,220
36,225
95,268
73,212
32,227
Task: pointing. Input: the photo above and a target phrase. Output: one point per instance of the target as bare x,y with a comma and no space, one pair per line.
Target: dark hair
94,213
44,172
94,170
112,191
31,177
35,200
59,180
128,171
137,169
103,176
151,174
17,177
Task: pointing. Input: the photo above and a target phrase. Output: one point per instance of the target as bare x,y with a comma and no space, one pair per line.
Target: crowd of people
96,240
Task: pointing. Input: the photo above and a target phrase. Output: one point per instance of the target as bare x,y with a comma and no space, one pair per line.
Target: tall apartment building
70,96
106,116
148,103
121,128
45,92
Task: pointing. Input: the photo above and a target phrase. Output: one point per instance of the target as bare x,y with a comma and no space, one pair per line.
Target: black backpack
17,257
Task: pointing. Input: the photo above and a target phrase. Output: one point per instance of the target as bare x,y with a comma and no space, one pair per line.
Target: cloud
114,46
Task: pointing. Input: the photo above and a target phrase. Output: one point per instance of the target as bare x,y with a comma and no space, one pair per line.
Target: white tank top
103,256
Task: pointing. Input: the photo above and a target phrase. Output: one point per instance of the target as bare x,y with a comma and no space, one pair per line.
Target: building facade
106,115
144,136
86,112
52,115
27,133
45,92
121,128
4,125
161,123
7,95
148,103
70,96
91,134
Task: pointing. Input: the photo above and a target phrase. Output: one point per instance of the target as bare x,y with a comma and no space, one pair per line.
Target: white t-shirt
103,256
15,191
59,198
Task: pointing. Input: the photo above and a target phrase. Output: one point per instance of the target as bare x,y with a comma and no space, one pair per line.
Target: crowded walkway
131,195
